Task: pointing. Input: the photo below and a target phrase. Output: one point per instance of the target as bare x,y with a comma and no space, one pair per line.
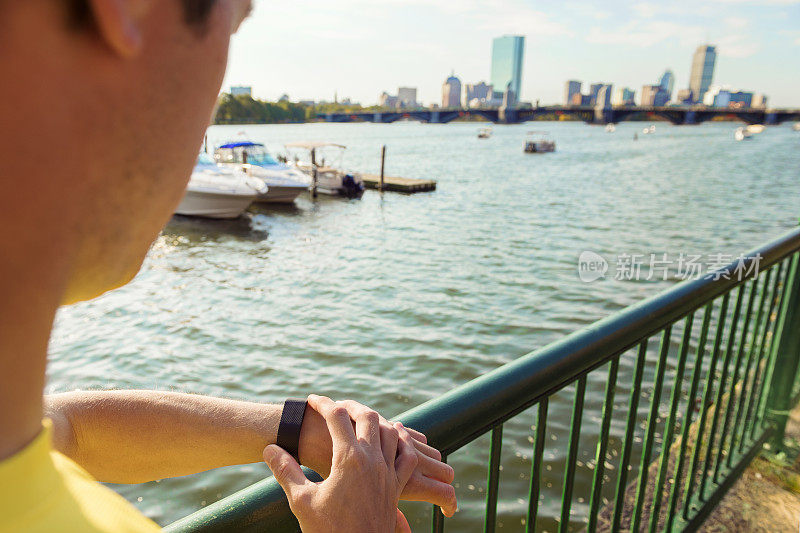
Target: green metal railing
714,369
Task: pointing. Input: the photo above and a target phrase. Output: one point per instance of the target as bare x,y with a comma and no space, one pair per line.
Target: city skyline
317,51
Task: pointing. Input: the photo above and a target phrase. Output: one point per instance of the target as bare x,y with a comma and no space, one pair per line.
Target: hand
368,474
431,481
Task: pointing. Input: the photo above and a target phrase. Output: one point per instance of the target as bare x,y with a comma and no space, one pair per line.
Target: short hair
195,12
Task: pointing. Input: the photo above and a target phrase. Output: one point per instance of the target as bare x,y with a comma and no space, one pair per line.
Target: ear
119,23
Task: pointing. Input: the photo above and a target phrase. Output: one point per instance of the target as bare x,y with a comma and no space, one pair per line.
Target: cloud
650,33
646,34
524,22
794,35
646,9
737,46
760,2
737,22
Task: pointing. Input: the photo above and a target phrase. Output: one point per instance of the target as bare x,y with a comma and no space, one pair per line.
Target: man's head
102,124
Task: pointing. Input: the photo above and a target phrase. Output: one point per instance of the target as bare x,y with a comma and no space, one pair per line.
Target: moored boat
539,142
283,182
216,192
328,179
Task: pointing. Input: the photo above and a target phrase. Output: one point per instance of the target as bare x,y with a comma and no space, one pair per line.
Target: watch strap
294,410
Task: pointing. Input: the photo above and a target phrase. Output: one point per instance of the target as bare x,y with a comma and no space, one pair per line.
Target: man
119,93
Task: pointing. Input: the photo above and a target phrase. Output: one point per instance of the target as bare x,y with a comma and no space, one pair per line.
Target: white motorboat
217,192
742,134
610,128
284,183
539,142
484,133
796,126
756,128
325,178
650,129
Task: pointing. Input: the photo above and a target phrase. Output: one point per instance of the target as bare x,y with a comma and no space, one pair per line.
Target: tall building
717,96
667,83
624,96
571,88
685,96
241,91
604,95
451,92
507,54
387,100
407,96
510,98
593,90
654,95
705,57
477,94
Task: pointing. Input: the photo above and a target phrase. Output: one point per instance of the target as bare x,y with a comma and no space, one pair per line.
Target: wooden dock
390,183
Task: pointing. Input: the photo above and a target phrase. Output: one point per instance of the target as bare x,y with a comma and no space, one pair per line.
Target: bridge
678,115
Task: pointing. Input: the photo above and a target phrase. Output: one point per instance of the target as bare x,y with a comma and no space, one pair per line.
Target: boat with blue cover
284,182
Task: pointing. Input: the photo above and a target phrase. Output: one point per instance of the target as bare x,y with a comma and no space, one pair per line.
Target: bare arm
140,436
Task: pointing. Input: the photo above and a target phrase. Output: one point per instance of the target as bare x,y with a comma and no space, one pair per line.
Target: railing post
786,349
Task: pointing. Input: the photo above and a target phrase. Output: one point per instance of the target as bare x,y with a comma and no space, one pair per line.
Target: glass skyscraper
507,52
667,82
702,71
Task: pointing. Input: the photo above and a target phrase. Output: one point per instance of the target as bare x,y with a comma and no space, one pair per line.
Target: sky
313,49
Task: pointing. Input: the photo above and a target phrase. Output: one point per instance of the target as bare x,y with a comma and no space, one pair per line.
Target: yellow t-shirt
42,490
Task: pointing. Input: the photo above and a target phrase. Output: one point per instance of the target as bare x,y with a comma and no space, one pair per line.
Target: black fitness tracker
294,409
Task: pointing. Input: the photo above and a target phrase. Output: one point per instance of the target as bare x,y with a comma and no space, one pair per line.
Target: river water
392,300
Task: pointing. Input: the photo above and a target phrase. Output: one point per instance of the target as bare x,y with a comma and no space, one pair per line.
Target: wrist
316,447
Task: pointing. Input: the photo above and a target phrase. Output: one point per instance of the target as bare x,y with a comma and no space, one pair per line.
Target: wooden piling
383,165
313,173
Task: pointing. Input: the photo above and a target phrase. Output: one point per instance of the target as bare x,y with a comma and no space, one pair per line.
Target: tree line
243,109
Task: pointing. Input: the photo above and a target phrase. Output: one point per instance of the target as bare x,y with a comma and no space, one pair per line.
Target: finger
286,471
420,445
423,489
337,419
437,470
431,452
405,442
405,463
355,409
368,429
401,525
389,443
417,435
420,440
